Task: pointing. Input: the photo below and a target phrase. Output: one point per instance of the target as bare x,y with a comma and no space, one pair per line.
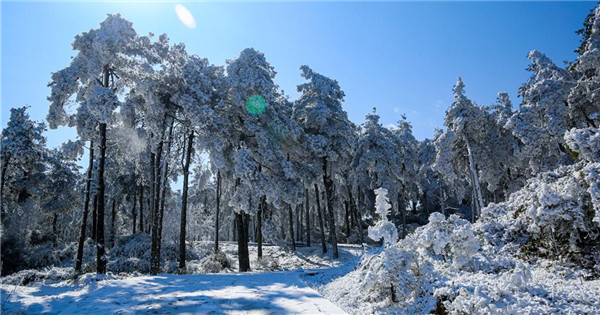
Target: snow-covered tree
584,96
329,133
108,60
542,118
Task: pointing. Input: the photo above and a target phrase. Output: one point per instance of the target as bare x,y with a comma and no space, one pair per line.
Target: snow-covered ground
232,293
272,292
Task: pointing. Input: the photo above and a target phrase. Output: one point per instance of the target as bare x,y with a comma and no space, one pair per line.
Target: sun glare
185,16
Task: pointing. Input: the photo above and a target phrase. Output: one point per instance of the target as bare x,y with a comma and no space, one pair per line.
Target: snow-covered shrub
268,263
404,274
452,239
552,215
38,277
215,263
383,228
132,253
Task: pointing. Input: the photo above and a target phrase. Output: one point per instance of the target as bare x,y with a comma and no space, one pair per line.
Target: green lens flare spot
256,104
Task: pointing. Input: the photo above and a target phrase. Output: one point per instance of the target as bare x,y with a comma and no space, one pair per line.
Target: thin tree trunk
476,187
112,224
86,207
329,195
291,217
154,255
100,258
307,216
134,212
347,218
5,164
163,190
402,210
141,208
183,224
259,217
95,218
218,202
320,219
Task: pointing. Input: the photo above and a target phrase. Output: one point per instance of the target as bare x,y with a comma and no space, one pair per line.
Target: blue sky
401,57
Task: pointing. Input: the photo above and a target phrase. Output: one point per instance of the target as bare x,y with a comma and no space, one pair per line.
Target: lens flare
185,16
256,104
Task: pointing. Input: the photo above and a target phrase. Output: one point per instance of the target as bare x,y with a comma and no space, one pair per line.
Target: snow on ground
275,292
233,293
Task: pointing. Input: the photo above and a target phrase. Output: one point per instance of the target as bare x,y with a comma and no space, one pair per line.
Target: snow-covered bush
552,215
215,263
39,277
268,263
132,254
383,228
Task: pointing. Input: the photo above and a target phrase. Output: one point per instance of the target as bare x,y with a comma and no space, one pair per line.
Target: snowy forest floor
266,292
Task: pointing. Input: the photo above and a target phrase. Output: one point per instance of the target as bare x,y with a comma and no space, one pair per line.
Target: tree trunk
95,218
86,207
307,216
242,228
476,187
320,219
183,224
163,190
329,195
112,224
259,216
291,217
154,255
402,210
134,212
141,208
357,215
218,202
2,180
347,218
100,259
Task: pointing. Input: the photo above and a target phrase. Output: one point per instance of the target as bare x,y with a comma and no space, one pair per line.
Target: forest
183,158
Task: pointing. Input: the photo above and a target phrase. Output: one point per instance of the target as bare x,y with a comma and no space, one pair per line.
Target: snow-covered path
233,293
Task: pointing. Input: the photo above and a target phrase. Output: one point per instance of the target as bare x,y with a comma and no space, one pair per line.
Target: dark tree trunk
100,259
154,255
101,246
94,219
55,227
86,208
291,216
320,219
141,208
133,212
357,216
242,229
329,195
307,216
402,210
5,163
112,223
259,215
163,190
183,224
347,218
218,202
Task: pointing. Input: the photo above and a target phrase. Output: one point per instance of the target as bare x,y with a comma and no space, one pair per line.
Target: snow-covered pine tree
329,133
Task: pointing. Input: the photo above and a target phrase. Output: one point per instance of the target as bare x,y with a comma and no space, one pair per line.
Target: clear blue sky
402,57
